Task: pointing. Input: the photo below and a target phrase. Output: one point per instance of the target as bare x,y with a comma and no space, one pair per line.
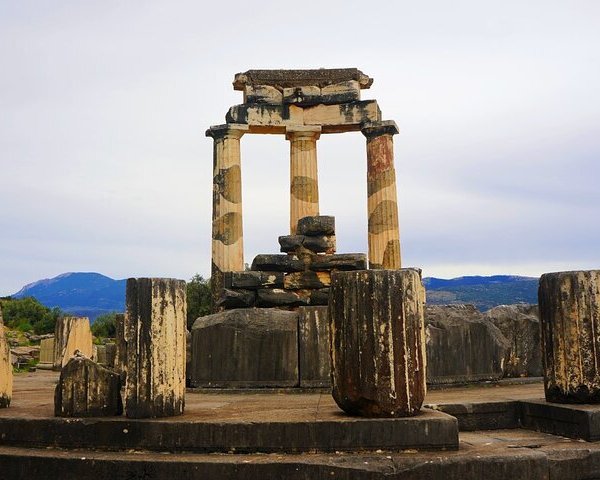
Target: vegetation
29,315
198,299
104,326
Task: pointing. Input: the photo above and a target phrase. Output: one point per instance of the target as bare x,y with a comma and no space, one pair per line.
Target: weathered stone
155,336
46,354
120,364
317,225
306,280
238,298
100,356
321,77
342,261
252,280
320,244
6,371
277,297
245,348
302,95
346,117
462,346
262,94
377,330
343,92
86,389
277,263
319,297
71,334
289,243
520,324
570,319
111,354
313,350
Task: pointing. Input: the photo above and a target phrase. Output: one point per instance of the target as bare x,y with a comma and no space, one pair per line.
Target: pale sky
104,165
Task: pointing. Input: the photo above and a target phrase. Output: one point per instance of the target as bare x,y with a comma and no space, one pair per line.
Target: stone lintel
376,129
296,132
227,129
299,78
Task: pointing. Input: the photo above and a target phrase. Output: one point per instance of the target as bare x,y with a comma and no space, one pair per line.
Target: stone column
384,233
120,364
304,184
6,373
227,228
155,338
570,325
71,334
377,342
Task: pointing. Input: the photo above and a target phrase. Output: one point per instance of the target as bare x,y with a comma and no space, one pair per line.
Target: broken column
155,336
304,183
71,334
376,320
87,389
6,373
227,233
120,362
46,354
384,233
570,321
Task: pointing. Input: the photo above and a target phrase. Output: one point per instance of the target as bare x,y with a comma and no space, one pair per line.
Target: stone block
277,263
290,243
278,297
86,389
262,94
313,349
6,371
47,351
319,297
71,334
155,336
316,225
340,261
377,335
570,319
343,92
236,298
307,244
120,364
255,347
252,280
100,355
306,280
321,77
302,95
520,324
462,346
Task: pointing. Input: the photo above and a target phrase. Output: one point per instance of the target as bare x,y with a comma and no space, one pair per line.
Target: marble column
304,184
227,229
384,233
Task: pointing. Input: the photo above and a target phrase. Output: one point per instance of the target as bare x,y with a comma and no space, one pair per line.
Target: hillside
483,292
79,293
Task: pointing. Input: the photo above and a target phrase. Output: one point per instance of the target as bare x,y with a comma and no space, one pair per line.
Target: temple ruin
302,105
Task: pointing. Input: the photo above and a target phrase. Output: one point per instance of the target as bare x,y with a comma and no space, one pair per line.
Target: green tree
198,299
104,326
29,315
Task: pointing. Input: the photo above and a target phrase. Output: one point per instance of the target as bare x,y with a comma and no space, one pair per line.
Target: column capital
229,130
296,132
376,129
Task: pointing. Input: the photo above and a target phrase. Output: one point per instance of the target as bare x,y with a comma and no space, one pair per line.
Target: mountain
483,292
92,294
78,293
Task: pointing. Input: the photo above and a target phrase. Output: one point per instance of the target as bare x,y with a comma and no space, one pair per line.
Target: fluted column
304,183
227,231
384,232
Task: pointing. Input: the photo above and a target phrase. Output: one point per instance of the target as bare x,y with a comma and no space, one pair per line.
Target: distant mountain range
92,294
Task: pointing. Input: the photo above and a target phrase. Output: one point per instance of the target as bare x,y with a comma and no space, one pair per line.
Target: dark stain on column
305,188
384,217
228,228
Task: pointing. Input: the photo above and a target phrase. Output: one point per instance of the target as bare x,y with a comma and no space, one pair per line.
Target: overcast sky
104,105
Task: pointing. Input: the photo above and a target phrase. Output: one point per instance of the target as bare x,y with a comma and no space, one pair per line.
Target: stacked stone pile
300,276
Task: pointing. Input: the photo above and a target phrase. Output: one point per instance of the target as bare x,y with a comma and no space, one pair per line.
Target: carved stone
377,333
87,389
71,334
313,341
6,373
155,335
570,319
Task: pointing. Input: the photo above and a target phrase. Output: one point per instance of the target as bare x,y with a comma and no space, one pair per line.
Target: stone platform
505,452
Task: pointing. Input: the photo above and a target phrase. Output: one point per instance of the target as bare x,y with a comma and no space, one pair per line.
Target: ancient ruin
6,373
302,105
71,334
